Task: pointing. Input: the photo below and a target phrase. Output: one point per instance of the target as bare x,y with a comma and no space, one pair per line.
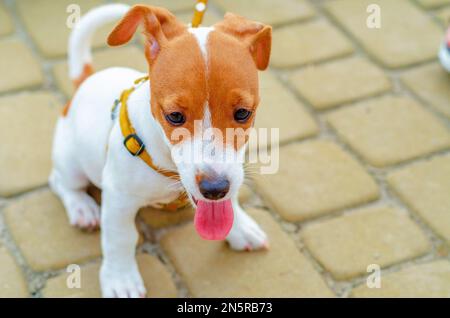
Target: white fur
201,34
81,36
207,123
245,233
88,147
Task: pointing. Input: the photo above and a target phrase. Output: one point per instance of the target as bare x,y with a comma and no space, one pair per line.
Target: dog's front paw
247,235
83,211
121,284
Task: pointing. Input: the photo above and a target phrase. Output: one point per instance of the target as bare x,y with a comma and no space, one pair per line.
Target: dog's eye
176,118
242,115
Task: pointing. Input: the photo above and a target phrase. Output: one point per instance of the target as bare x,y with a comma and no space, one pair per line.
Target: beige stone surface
28,120
158,218
346,245
444,15
306,43
433,3
389,130
172,5
424,280
12,281
18,67
339,82
315,178
324,56
157,281
435,90
245,193
39,226
267,11
210,17
130,56
45,20
280,109
217,271
398,42
425,188
6,26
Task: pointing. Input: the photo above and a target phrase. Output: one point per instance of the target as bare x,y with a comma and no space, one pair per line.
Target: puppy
206,75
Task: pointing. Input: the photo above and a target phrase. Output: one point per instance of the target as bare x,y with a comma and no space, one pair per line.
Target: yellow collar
137,148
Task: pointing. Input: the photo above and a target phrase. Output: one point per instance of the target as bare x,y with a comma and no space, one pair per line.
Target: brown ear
159,26
257,36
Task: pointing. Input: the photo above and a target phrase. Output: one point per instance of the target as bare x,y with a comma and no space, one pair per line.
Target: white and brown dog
206,74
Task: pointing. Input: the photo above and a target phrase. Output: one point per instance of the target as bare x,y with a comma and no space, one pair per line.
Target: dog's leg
245,234
69,182
119,274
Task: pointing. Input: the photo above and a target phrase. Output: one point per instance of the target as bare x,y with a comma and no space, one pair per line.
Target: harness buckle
138,141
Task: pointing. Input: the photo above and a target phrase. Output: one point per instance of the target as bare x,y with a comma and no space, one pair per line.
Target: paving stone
399,42
245,193
390,130
307,43
20,68
48,17
280,109
217,271
130,56
156,278
315,178
433,3
339,82
425,187
6,26
159,219
28,120
346,245
435,90
172,5
39,226
444,15
12,282
419,281
267,11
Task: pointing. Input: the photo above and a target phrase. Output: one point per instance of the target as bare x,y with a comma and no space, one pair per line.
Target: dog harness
199,11
136,146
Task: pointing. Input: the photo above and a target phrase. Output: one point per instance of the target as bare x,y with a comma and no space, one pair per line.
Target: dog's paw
121,284
83,211
247,235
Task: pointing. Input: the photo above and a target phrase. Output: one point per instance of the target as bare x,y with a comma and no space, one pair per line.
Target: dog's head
204,95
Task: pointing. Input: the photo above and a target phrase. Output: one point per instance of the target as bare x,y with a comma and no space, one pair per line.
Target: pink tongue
213,220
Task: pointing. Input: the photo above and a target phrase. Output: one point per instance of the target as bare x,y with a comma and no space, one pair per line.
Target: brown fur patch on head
179,83
257,36
232,82
181,79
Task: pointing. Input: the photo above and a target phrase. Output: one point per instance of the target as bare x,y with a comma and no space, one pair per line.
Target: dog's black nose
214,189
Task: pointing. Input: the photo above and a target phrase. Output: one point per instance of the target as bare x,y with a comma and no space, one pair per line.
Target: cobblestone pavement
365,162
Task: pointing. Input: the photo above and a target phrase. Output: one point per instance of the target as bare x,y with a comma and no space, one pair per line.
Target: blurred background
364,178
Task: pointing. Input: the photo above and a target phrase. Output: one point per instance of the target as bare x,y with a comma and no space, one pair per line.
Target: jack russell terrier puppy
207,75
